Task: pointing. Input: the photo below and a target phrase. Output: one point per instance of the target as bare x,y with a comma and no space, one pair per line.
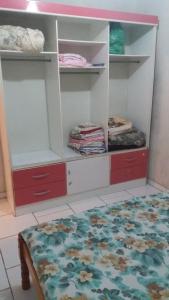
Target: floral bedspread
117,252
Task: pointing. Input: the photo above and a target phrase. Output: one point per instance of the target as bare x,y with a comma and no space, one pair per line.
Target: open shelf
80,42
33,158
127,58
20,55
69,153
75,70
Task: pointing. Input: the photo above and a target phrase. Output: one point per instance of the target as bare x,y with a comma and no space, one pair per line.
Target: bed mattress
117,252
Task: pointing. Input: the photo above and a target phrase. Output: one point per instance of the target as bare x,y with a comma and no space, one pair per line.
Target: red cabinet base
128,166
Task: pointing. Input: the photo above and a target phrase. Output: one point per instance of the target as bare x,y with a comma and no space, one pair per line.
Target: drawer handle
40,176
42,193
131,159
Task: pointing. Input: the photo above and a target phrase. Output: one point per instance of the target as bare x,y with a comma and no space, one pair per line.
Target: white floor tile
9,249
6,295
10,225
85,204
14,275
3,278
144,190
51,210
4,208
116,197
57,215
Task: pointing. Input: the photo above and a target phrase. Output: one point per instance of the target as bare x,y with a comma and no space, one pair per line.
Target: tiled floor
9,227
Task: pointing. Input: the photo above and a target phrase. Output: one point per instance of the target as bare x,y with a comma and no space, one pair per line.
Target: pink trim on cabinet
77,11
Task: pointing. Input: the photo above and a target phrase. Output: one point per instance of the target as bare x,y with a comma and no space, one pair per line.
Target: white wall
159,155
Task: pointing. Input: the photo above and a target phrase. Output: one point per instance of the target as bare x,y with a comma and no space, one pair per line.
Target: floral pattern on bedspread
119,252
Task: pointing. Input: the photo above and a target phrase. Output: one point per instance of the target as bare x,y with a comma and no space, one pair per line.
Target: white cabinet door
87,174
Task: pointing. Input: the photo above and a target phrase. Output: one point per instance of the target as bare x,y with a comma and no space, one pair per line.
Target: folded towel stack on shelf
70,60
87,138
122,135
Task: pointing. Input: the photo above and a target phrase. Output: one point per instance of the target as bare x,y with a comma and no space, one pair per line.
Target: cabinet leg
24,268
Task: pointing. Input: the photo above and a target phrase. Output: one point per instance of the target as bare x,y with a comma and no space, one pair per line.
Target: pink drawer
130,173
40,193
39,175
130,159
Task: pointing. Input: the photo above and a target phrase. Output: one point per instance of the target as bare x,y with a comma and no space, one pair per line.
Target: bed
117,252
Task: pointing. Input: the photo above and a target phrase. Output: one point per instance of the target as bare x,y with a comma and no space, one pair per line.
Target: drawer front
125,160
130,173
39,175
40,193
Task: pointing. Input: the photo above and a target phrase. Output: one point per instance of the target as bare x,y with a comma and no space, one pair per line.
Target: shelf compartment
69,153
113,58
34,158
20,55
92,69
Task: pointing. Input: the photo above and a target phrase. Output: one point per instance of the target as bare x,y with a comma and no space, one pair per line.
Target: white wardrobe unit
41,102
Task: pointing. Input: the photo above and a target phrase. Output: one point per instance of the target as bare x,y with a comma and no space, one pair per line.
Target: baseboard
157,185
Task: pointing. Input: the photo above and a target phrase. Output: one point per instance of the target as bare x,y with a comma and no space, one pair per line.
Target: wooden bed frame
28,269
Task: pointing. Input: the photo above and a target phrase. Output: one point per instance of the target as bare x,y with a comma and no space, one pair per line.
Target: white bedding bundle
21,39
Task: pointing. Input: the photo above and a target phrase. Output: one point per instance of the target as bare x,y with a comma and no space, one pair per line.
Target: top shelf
80,42
127,58
20,55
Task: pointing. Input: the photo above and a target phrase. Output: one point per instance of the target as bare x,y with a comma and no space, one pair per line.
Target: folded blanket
87,138
133,138
118,125
21,39
73,60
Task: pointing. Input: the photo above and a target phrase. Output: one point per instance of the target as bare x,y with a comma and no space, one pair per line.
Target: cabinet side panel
5,149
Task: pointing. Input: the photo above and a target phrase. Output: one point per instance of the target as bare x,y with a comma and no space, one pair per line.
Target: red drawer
130,159
39,175
40,193
130,173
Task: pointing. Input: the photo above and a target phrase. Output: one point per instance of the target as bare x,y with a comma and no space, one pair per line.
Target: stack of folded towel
87,138
122,135
73,60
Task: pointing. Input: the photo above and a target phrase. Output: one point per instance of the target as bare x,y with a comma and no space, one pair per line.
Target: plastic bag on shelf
117,39
21,39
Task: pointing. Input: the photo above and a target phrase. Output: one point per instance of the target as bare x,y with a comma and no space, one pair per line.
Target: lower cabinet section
87,174
40,193
129,166
56,180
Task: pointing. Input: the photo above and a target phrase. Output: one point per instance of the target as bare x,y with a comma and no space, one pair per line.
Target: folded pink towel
73,60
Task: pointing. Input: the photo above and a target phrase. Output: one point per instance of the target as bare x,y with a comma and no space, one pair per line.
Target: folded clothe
87,138
73,60
132,138
118,125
